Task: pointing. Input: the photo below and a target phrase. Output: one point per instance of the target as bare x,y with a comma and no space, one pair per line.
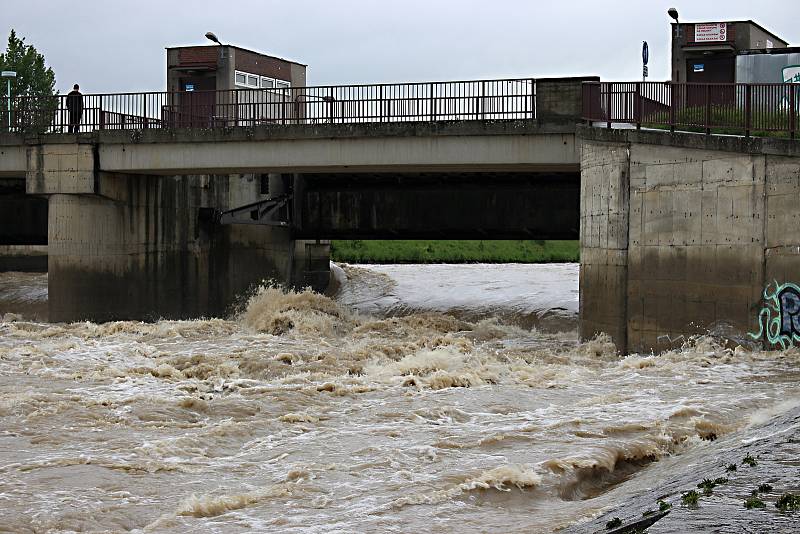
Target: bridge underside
448,205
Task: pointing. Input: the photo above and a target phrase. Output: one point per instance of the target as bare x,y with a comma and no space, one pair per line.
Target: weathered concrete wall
604,240
709,223
411,148
560,98
135,250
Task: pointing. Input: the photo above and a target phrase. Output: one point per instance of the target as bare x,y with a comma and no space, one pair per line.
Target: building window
246,80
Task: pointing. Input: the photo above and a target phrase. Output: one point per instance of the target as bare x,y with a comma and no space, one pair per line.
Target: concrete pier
133,247
681,233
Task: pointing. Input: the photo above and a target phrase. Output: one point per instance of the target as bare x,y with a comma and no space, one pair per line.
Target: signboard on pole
645,53
711,33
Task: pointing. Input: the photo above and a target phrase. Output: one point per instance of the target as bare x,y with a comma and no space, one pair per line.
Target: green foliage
765,488
706,483
614,523
754,502
690,498
648,513
721,480
663,506
731,467
749,460
460,251
787,502
35,80
725,120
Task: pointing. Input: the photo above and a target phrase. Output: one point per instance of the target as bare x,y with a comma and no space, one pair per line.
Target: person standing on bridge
75,108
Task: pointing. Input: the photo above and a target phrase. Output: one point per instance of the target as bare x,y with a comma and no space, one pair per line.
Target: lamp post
8,75
211,37
672,12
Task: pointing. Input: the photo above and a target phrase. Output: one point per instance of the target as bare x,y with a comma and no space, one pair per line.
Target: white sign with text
710,33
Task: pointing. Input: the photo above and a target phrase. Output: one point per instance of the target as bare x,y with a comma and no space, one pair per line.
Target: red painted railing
735,108
426,101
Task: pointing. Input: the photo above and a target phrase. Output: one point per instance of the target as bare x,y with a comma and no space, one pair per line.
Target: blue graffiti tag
779,319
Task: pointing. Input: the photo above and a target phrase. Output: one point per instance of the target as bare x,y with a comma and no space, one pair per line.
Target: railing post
533,98
101,116
748,109
609,86
637,106
481,111
144,110
380,103
793,87
283,105
433,102
672,104
708,110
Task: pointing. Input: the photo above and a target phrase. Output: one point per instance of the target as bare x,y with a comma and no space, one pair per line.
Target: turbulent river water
416,398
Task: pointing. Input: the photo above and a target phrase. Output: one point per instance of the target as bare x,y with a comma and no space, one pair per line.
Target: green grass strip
456,251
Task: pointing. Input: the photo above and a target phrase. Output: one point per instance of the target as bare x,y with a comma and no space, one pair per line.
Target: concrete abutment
123,246
682,233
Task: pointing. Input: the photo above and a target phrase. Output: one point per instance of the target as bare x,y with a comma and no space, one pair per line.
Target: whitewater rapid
399,404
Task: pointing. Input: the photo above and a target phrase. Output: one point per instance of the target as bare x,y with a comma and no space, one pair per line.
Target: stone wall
698,228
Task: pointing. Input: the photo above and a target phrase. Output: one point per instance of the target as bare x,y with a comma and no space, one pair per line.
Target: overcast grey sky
111,46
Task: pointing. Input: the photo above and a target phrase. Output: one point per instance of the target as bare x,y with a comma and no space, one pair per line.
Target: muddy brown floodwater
417,398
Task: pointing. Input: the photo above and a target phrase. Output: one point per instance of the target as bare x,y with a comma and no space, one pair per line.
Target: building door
711,69
196,103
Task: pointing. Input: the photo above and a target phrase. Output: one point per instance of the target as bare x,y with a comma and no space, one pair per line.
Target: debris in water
614,523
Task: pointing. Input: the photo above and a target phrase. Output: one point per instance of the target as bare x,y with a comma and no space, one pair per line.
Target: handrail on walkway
726,108
401,102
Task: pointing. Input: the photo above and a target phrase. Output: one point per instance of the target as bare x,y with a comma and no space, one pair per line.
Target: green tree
35,82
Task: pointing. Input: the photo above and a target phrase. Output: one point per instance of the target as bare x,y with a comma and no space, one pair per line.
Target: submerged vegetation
749,460
788,502
754,502
690,498
454,251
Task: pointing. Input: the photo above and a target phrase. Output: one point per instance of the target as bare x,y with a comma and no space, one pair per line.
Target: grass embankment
463,251
728,121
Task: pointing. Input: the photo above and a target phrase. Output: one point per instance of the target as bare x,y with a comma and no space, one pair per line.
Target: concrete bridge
158,221
680,233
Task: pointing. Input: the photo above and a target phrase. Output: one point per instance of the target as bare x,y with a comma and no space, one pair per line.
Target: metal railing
429,101
732,108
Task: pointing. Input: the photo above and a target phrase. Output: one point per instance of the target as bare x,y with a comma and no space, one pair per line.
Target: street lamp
211,37
672,12
8,75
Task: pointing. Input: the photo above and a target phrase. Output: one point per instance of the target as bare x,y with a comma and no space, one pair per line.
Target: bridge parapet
473,100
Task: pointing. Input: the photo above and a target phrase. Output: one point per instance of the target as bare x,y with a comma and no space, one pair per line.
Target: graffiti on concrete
779,319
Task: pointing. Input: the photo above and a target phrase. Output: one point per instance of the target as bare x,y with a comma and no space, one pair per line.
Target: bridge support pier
684,235
125,246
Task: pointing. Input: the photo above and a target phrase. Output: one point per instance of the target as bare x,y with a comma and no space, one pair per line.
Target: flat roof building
705,52
221,67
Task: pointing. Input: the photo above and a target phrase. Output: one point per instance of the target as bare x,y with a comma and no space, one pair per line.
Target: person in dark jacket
75,108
